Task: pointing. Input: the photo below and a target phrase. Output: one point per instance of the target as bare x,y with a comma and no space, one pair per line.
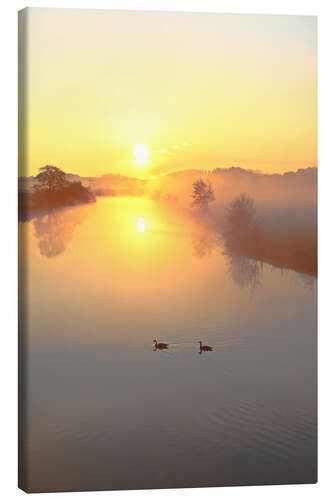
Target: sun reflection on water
141,225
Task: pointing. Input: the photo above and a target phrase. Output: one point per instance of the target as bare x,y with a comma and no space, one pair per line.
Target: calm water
107,412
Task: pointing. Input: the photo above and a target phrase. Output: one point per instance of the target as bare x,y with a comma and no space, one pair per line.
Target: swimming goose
205,347
160,345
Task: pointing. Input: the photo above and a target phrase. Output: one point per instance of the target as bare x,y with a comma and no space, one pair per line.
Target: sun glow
141,225
141,153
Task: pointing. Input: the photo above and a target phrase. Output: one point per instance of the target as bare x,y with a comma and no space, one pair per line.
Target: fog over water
106,411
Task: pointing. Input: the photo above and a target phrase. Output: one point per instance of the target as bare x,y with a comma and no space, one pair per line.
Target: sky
197,90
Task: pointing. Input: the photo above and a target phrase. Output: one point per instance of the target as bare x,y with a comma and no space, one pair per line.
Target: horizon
206,171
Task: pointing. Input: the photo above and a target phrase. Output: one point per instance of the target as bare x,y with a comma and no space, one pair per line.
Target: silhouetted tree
53,190
240,229
50,178
203,194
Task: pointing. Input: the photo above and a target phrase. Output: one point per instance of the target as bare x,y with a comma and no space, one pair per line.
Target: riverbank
32,204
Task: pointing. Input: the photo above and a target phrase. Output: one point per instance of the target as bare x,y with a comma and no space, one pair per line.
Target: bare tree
203,194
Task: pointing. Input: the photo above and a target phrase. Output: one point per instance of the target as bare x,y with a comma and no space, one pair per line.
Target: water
104,411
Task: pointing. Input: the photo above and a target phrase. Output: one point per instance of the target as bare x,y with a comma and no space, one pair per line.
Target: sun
141,153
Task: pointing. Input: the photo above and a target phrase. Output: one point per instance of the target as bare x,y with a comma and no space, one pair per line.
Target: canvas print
167,250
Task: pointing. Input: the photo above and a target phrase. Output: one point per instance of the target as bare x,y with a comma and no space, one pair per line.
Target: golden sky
198,90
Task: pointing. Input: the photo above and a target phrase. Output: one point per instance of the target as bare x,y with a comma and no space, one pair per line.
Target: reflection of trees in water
54,231
203,244
247,243
307,281
246,273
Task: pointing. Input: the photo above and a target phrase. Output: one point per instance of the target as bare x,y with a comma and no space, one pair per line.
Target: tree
241,213
53,190
203,194
240,224
50,178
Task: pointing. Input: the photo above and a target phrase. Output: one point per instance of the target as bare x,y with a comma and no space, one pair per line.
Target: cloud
171,149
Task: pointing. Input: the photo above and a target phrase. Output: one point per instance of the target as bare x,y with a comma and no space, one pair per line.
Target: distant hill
298,187
109,184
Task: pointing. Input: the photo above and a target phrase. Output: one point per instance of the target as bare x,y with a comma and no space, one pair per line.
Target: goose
160,345
205,347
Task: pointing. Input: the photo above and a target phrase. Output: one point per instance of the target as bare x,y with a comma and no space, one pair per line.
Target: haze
198,90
